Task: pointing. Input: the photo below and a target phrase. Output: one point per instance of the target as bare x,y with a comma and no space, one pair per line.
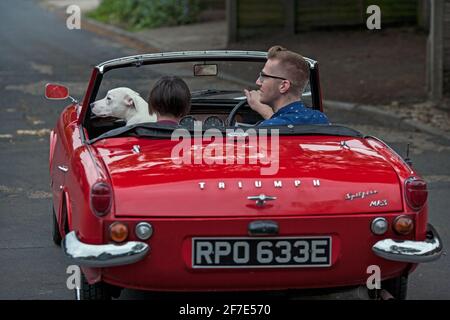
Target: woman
170,99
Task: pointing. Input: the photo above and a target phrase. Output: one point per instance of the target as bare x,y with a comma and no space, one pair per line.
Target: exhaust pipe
385,295
376,294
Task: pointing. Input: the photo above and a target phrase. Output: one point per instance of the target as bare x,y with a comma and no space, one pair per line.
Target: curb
383,116
122,33
105,29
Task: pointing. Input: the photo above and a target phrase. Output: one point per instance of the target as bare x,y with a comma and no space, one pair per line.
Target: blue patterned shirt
295,113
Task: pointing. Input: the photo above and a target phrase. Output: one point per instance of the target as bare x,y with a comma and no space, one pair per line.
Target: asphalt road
36,48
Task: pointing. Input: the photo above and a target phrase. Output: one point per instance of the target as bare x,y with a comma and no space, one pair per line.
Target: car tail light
101,198
118,232
403,225
416,192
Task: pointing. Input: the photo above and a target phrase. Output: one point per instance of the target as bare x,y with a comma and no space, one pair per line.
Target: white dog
123,103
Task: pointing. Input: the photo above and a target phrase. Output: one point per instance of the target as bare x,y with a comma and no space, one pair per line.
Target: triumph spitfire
218,203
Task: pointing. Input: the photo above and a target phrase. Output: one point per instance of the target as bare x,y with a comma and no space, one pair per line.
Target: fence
251,17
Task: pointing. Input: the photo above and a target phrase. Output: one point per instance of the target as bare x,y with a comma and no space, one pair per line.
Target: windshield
230,81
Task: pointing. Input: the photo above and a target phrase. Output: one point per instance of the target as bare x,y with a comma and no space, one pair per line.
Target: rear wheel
397,287
96,291
56,235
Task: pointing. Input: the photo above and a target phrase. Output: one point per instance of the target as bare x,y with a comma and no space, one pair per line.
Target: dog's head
119,103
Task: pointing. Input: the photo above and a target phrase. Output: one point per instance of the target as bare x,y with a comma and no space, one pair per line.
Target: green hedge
139,14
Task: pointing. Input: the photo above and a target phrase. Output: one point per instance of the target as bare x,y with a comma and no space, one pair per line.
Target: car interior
212,107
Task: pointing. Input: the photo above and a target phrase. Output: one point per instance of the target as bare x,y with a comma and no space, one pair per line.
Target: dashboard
208,122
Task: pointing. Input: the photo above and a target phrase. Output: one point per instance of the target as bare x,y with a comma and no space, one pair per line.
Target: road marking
39,195
25,132
39,133
437,178
33,194
34,121
42,68
37,88
10,190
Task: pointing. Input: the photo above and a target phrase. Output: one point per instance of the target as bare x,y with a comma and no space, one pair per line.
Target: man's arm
253,101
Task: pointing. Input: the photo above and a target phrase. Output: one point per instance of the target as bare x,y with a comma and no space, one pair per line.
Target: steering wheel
230,119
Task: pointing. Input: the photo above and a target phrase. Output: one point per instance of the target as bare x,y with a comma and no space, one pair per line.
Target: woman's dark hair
170,96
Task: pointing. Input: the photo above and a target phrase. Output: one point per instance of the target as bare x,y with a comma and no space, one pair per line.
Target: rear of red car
334,207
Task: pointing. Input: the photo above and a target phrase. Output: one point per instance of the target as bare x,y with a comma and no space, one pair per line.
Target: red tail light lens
101,198
416,192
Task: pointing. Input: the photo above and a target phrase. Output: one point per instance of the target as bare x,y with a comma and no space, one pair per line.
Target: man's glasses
263,76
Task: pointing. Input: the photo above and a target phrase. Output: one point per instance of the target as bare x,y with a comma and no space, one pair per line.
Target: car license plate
261,252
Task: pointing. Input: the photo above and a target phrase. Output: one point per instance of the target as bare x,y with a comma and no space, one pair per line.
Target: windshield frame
183,56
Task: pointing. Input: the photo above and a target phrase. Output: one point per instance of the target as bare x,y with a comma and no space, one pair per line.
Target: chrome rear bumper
101,256
411,251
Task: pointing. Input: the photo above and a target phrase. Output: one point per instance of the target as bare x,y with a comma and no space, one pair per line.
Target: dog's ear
129,102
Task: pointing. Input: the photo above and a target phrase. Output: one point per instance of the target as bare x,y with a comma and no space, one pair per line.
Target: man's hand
253,99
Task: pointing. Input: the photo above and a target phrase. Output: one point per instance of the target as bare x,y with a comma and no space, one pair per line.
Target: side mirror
56,91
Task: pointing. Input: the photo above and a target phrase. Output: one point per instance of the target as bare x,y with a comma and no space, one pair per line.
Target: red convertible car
219,204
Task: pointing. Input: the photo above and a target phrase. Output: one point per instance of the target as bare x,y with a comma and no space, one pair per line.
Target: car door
59,167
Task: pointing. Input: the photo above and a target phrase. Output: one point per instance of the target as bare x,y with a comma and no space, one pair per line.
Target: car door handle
63,168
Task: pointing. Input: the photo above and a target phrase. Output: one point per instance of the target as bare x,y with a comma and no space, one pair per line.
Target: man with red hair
281,84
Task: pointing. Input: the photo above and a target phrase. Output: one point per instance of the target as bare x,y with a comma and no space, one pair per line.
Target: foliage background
140,14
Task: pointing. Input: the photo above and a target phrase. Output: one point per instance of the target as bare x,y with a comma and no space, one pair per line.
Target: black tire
96,291
397,287
56,235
